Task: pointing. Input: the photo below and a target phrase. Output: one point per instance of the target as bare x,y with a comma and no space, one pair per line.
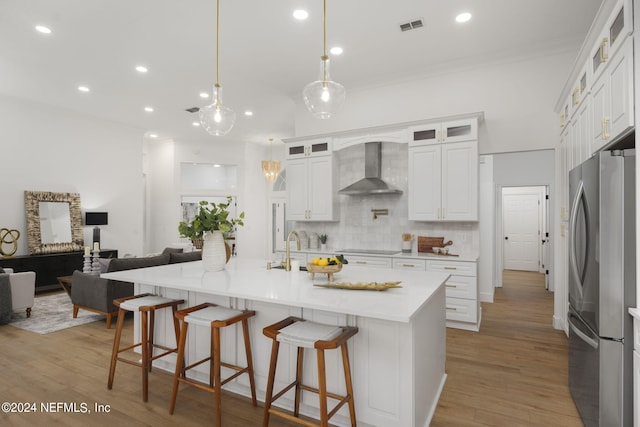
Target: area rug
51,313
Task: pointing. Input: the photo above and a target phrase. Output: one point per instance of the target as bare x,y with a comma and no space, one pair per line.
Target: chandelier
270,168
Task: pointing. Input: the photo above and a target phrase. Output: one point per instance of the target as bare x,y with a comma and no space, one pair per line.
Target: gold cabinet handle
361,262
408,265
452,308
444,215
576,101
603,56
605,135
450,286
449,268
562,122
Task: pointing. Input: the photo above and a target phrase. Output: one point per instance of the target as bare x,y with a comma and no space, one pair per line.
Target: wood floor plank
511,373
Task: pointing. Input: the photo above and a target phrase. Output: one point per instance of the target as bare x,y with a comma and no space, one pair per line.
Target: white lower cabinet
463,305
366,261
409,264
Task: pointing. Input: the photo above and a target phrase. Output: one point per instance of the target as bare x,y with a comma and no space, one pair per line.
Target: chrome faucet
287,261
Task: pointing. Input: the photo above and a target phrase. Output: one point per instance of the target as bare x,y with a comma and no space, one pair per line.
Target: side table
65,282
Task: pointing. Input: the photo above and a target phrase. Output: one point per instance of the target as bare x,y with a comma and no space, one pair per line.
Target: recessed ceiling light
196,124
248,113
42,29
300,14
217,165
141,69
463,17
336,50
153,135
83,89
204,95
148,109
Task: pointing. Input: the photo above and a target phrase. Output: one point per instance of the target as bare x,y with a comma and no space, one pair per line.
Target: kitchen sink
369,251
281,267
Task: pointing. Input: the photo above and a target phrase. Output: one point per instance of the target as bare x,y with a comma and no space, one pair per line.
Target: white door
521,223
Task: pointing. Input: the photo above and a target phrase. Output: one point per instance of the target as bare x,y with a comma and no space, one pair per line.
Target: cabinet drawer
459,268
369,261
409,264
462,310
462,287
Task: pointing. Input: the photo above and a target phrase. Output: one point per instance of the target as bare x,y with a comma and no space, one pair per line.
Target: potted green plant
323,241
210,224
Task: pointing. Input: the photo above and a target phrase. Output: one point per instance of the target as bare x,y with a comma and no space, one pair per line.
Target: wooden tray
426,244
326,269
361,286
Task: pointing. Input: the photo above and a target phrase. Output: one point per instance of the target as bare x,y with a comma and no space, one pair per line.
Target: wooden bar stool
146,304
304,334
214,317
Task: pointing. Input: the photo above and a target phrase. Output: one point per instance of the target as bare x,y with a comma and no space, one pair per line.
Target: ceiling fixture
141,69
300,14
83,88
270,168
42,29
412,25
204,95
216,118
248,113
324,97
463,17
148,109
336,50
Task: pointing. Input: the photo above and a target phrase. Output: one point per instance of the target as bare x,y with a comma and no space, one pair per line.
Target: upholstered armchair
23,288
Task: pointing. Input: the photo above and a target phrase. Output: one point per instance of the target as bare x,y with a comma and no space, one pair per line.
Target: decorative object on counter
324,97
426,244
215,118
8,237
327,266
323,242
86,264
95,260
407,239
211,223
270,168
378,212
361,286
314,241
304,239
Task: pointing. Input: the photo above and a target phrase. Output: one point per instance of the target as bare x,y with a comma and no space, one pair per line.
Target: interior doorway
524,228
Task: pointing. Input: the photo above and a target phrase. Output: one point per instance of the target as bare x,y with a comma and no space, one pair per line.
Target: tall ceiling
266,56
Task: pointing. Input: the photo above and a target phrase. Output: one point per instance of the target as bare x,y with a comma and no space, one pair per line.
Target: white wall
164,189
51,149
517,99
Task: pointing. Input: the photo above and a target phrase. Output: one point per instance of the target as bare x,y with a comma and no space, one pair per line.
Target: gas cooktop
369,251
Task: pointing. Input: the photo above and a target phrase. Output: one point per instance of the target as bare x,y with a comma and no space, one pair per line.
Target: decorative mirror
54,222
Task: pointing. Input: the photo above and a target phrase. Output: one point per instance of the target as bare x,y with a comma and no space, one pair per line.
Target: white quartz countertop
250,279
635,312
399,254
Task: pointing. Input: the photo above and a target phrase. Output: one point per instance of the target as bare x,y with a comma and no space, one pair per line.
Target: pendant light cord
218,43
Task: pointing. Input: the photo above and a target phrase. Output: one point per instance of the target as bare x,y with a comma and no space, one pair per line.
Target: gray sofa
96,294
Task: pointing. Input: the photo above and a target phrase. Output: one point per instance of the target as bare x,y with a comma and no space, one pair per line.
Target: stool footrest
292,418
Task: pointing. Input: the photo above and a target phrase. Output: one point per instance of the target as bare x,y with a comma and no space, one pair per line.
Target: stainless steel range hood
371,184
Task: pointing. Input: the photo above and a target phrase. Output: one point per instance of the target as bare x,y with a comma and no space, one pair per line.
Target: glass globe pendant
324,97
216,118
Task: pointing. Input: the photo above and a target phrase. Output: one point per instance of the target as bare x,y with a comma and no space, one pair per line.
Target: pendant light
216,118
270,168
324,97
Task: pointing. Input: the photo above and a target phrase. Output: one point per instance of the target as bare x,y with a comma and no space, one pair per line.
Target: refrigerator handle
573,220
593,343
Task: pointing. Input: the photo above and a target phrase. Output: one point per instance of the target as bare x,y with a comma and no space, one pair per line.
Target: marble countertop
399,254
250,279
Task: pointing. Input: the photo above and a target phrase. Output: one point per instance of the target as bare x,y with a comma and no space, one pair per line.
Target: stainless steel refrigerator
602,288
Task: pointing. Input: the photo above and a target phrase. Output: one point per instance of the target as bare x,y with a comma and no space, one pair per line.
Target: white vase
214,254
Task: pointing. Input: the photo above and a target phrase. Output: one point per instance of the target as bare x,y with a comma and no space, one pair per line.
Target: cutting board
426,244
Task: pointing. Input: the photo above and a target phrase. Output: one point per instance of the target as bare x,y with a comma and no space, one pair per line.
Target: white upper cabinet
612,37
309,148
311,183
612,96
443,175
370,135
450,131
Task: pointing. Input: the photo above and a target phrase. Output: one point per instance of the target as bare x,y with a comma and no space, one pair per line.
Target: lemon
323,261
315,261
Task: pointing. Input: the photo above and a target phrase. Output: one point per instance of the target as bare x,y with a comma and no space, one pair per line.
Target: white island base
397,357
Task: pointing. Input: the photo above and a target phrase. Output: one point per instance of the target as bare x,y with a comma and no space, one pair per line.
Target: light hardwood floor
512,373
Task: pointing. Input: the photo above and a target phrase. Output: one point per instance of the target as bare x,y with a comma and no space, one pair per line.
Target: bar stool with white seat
214,317
304,334
146,305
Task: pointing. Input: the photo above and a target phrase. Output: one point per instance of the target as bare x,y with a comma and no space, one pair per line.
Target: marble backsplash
357,227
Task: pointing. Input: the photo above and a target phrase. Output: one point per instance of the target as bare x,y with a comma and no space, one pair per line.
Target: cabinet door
600,99
297,189
460,181
620,80
460,130
320,189
424,182
425,134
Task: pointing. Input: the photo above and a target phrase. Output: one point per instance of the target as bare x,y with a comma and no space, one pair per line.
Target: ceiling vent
193,109
411,25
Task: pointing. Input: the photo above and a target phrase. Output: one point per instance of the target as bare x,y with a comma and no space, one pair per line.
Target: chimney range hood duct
371,184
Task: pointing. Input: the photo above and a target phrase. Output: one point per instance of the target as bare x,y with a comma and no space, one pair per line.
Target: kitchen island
397,357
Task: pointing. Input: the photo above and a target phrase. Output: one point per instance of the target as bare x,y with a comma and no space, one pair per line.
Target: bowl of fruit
327,266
